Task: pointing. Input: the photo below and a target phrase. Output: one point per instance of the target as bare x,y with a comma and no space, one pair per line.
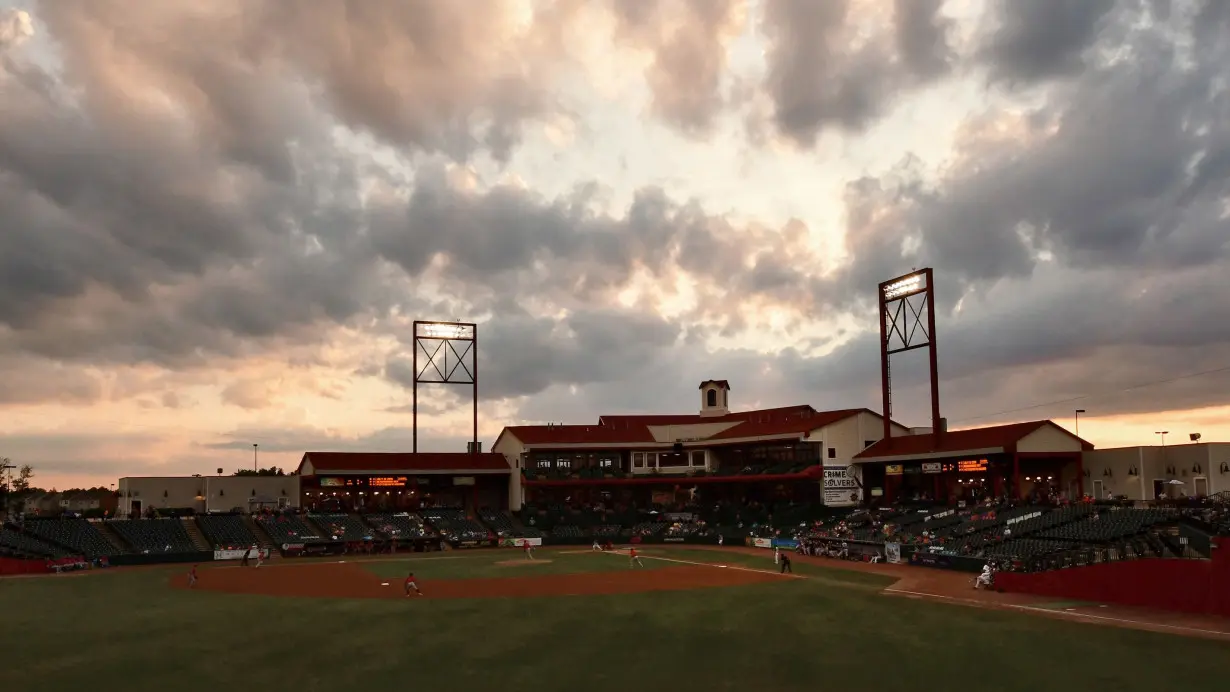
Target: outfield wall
10,566
1182,585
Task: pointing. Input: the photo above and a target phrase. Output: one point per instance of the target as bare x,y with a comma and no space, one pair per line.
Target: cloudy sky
219,217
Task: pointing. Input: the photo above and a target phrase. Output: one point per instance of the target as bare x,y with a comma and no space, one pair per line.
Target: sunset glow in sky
221,217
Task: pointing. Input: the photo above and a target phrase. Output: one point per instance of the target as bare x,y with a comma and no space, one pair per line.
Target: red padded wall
1188,586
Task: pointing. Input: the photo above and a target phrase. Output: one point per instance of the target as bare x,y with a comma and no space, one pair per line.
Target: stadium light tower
904,327
449,355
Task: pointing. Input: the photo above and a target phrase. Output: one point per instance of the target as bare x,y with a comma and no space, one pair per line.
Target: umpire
785,563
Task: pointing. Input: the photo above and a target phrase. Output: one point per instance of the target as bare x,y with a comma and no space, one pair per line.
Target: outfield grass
127,630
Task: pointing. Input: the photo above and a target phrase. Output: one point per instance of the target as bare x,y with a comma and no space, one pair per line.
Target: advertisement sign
519,542
788,543
932,467
332,483
842,486
893,470
673,539
762,542
892,553
238,554
679,516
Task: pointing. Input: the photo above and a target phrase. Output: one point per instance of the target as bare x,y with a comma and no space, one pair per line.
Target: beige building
206,493
1143,473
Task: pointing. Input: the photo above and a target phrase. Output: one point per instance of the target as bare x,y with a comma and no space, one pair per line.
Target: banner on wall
519,542
932,467
762,542
787,543
893,470
238,554
892,553
842,486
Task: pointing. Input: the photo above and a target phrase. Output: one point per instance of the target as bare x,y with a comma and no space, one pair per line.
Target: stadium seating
19,544
505,526
289,528
73,533
454,524
400,526
1111,525
342,527
226,531
155,535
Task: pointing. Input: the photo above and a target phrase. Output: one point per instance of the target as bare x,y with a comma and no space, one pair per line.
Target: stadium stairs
113,537
194,532
262,537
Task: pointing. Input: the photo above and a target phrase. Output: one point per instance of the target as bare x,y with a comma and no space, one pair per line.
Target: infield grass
126,630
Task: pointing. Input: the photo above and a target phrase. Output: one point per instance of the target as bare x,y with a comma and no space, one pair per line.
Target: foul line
623,553
1064,613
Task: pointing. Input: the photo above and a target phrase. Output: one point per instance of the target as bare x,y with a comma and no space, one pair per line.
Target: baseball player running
634,560
412,586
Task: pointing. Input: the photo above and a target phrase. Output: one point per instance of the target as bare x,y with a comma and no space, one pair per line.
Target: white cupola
714,398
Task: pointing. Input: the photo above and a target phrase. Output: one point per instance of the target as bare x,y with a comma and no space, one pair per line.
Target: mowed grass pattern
128,630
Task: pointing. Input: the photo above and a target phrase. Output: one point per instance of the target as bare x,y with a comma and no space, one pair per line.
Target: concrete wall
850,436
511,448
1156,463
206,493
1048,438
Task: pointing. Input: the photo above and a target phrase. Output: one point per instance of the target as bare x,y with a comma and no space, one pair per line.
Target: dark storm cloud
1042,39
823,73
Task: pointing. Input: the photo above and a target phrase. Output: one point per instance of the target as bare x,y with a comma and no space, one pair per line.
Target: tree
271,471
14,487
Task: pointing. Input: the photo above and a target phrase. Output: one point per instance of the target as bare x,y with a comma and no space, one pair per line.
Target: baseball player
596,545
529,549
786,564
634,560
192,577
411,586
260,559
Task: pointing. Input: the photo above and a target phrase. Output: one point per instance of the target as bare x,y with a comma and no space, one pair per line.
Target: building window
698,458
832,452
638,460
711,397
606,462
563,463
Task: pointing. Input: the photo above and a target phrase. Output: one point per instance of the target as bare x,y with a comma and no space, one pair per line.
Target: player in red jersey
192,577
634,560
529,549
411,586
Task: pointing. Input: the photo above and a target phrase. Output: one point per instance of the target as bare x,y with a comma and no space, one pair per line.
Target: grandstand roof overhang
404,463
1033,438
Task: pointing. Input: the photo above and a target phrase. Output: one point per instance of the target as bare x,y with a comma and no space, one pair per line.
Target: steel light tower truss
907,322
445,353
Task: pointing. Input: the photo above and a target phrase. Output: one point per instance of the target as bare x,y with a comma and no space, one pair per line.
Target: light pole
1163,433
1079,411
254,447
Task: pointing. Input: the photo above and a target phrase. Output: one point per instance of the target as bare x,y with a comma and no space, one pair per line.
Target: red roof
634,429
579,434
721,383
800,425
403,462
957,441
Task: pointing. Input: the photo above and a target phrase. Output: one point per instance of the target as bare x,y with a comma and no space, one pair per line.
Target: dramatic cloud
221,218
825,71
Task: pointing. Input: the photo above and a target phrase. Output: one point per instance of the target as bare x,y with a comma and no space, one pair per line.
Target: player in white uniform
984,579
596,546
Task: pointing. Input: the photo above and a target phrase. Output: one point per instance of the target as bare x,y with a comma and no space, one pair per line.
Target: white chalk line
624,553
1047,611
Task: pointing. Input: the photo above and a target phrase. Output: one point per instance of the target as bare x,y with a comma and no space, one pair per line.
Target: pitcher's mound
519,563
